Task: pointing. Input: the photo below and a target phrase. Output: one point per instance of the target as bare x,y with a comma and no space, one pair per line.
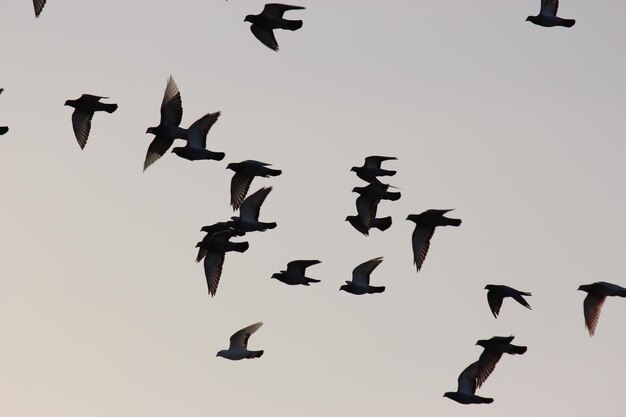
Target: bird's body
271,18
465,393
195,149
425,224
547,16
494,348
248,219
371,169
245,172
596,296
360,283
238,348
84,108
380,223
496,293
294,275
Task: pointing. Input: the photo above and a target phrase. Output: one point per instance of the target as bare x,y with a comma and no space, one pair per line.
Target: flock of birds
217,240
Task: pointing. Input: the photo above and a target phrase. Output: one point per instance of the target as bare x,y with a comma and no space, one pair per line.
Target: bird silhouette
360,283
425,224
496,293
84,108
238,348
596,296
547,16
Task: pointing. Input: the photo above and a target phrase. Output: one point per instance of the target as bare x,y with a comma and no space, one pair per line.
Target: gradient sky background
519,128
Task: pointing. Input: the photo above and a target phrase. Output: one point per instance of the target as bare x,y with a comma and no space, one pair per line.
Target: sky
519,128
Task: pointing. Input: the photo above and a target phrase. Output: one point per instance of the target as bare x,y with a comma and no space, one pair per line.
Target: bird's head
276,275
358,189
177,150
583,288
231,166
220,353
449,394
249,18
489,287
413,217
343,287
532,19
152,130
481,343
68,102
354,169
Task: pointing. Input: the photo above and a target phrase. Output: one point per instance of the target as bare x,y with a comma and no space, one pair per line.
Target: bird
425,224
494,348
294,275
377,191
465,393
214,252
84,108
38,4
238,348
169,126
496,293
380,223
271,18
248,219
360,283
596,295
212,231
195,149
547,16
245,171
371,170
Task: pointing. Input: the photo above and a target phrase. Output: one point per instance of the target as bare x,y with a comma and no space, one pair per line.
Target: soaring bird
547,16
425,224
596,295
196,140
245,172
465,393
238,348
371,170
360,283
84,108
271,18
494,349
38,4
214,252
169,126
496,293
248,220
294,275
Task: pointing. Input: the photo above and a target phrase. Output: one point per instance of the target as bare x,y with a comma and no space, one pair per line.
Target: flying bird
238,348
360,283
248,220
465,393
294,275
596,295
496,293
38,4
547,16
494,349
195,149
377,191
214,251
425,224
214,234
271,18
245,172
169,126
371,169
84,108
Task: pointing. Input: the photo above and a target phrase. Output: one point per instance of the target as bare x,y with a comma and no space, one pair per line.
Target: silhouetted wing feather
239,186
213,264
549,7
276,10
251,206
157,149
266,36
486,364
38,4
196,136
421,242
172,105
361,274
239,340
592,307
495,302
81,121
467,379
299,267
375,161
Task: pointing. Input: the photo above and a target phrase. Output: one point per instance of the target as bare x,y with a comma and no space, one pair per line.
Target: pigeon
497,293
494,348
371,168
196,140
238,348
84,108
377,191
248,220
360,283
294,275
547,16
38,4
269,19
465,393
245,172
169,126
596,295
382,224
214,252
425,224
216,230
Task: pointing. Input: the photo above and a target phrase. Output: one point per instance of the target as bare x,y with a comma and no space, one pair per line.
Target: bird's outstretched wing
239,340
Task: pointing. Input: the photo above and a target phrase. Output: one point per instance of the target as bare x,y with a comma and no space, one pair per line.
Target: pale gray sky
520,128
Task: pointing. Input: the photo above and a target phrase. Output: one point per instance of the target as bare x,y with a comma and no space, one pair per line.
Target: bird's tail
240,247
375,290
217,156
392,196
386,173
273,172
293,24
382,223
516,350
3,130
254,354
109,108
521,300
265,226
568,23
451,222
483,400
308,280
